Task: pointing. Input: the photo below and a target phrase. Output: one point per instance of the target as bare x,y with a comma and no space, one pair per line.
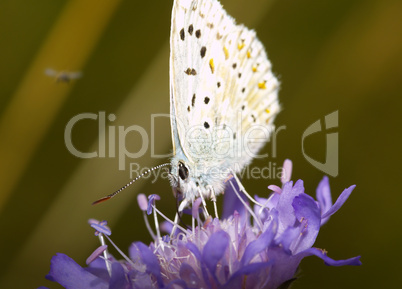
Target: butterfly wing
222,86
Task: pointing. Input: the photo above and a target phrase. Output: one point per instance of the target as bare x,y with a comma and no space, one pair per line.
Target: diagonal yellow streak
38,98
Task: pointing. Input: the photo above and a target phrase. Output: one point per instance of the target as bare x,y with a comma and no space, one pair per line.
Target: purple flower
250,247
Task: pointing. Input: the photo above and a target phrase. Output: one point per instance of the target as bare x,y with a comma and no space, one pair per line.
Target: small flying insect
63,76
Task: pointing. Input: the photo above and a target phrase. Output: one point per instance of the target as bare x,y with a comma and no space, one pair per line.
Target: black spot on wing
182,34
193,100
203,51
190,71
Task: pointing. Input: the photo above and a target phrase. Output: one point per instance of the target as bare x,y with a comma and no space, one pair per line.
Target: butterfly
221,87
223,95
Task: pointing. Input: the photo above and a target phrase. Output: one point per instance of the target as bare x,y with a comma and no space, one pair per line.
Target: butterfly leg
183,204
204,204
181,207
213,199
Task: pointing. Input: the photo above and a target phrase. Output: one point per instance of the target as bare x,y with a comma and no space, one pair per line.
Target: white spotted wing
223,96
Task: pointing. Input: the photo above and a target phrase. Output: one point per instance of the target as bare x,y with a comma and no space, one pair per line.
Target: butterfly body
223,94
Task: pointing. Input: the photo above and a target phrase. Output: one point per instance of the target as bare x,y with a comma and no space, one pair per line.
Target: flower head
250,247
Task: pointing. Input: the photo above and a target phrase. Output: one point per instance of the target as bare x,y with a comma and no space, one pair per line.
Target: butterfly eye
183,171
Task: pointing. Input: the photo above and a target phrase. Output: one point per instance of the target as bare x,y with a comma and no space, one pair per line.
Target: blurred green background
343,55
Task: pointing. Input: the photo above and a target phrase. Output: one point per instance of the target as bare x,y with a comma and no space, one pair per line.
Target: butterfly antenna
108,197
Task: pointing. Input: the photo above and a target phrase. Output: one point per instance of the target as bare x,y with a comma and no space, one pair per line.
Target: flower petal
118,279
215,249
140,280
70,275
188,275
308,213
284,266
150,260
288,237
339,202
256,246
193,249
99,269
235,283
329,261
173,284
324,198
285,210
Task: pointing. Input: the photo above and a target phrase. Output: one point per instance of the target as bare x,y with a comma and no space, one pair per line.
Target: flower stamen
168,220
143,204
100,229
152,199
243,190
287,171
246,206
